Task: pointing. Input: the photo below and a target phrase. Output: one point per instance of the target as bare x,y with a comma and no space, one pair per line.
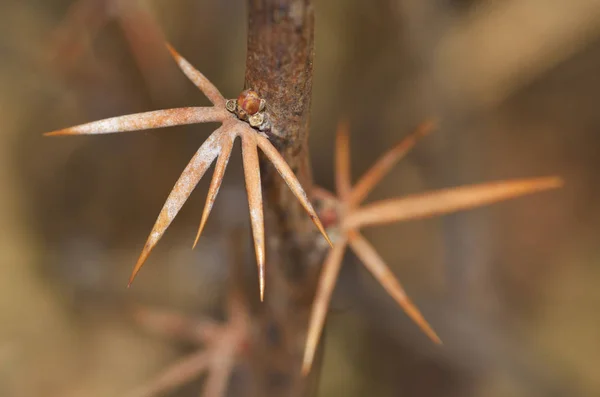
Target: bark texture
279,67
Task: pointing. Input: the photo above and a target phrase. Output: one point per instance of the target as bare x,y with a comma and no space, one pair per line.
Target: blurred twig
85,20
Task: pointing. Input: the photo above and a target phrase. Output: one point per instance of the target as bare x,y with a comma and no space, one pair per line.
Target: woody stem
279,67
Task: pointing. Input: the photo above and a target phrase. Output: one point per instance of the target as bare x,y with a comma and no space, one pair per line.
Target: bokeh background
512,289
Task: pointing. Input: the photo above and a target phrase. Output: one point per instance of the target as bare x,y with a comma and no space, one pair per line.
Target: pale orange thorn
373,176
343,182
446,201
175,375
145,121
373,262
323,194
290,179
83,21
254,192
216,380
184,186
196,77
176,325
215,183
140,262
329,273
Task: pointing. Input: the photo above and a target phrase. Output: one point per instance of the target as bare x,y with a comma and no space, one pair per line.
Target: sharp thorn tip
329,242
305,370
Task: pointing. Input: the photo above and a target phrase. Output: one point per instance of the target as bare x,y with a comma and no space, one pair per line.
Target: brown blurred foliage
511,289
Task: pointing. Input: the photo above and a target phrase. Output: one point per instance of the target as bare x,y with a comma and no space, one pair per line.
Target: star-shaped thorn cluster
218,146
222,345
344,214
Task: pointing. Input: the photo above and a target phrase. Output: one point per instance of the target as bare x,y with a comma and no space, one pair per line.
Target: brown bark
279,67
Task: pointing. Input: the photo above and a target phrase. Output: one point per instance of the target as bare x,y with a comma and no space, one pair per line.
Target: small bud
257,119
249,102
230,105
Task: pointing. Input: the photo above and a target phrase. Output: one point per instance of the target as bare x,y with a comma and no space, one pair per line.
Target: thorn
262,283
290,179
343,183
199,80
198,235
66,131
174,53
140,262
447,201
321,229
226,143
255,202
326,284
305,369
200,229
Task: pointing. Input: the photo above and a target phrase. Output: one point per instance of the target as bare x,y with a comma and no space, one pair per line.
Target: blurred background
511,289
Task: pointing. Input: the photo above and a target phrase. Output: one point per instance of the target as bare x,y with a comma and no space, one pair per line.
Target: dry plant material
223,343
344,214
72,47
86,18
218,146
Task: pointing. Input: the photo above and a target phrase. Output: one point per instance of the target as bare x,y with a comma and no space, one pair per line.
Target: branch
279,67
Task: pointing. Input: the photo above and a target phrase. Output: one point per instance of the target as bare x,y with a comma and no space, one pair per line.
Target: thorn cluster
218,146
222,346
344,214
